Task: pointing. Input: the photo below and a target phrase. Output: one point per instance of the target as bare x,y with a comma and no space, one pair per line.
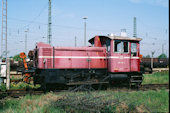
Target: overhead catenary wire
60,26
39,14
73,27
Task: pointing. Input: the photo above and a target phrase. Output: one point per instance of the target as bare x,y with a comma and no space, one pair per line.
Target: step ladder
136,80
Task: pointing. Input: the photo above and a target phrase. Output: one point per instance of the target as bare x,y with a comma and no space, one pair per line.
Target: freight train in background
157,63
109,60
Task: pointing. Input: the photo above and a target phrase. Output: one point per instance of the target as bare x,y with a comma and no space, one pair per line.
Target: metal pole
162,48
6,34
49,35
75,41
85,33
152,62
134,27
4,30
8,73
26,42
152,58
85,30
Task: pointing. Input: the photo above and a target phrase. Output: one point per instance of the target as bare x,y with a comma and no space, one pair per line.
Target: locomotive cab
122,56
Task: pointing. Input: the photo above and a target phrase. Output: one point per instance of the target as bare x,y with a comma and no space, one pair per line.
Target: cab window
108,45
118,46
121,46
125,47
133,49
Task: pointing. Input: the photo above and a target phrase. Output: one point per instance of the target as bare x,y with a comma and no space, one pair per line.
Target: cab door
134,57
120,58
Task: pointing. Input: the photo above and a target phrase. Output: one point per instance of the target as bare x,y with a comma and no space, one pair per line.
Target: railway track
19,80
144,87
22,92
153,86
19,92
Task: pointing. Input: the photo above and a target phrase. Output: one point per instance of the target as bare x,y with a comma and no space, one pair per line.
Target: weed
156,78
2,87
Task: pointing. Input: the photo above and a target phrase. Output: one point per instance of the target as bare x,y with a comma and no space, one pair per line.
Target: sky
104,17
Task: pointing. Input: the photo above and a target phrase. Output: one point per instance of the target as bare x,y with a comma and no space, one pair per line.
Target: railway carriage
109,59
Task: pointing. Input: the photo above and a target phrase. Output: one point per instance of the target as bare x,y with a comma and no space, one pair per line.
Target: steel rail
23,92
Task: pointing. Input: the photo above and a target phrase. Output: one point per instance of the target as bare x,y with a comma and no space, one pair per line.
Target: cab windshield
121,46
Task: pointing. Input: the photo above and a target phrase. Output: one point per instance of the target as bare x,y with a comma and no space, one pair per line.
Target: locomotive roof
116,38
124,38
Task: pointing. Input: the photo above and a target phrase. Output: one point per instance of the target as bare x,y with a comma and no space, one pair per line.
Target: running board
136,81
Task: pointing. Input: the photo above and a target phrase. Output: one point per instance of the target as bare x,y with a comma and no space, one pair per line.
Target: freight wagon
157,63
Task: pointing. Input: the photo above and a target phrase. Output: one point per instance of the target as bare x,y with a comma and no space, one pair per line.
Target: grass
2,87
22,85
15,78
156,78
28,104
148,101
137,101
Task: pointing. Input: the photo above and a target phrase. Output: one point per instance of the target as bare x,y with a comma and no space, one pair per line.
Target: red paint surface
71,57
97,42
123,62
87,58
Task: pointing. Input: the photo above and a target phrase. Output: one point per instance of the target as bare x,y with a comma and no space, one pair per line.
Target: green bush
2,87
22,85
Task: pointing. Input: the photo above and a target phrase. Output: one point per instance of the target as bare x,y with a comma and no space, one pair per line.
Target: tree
162,56
17,58
147,56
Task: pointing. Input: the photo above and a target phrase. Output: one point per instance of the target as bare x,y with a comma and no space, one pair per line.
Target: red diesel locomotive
109,59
